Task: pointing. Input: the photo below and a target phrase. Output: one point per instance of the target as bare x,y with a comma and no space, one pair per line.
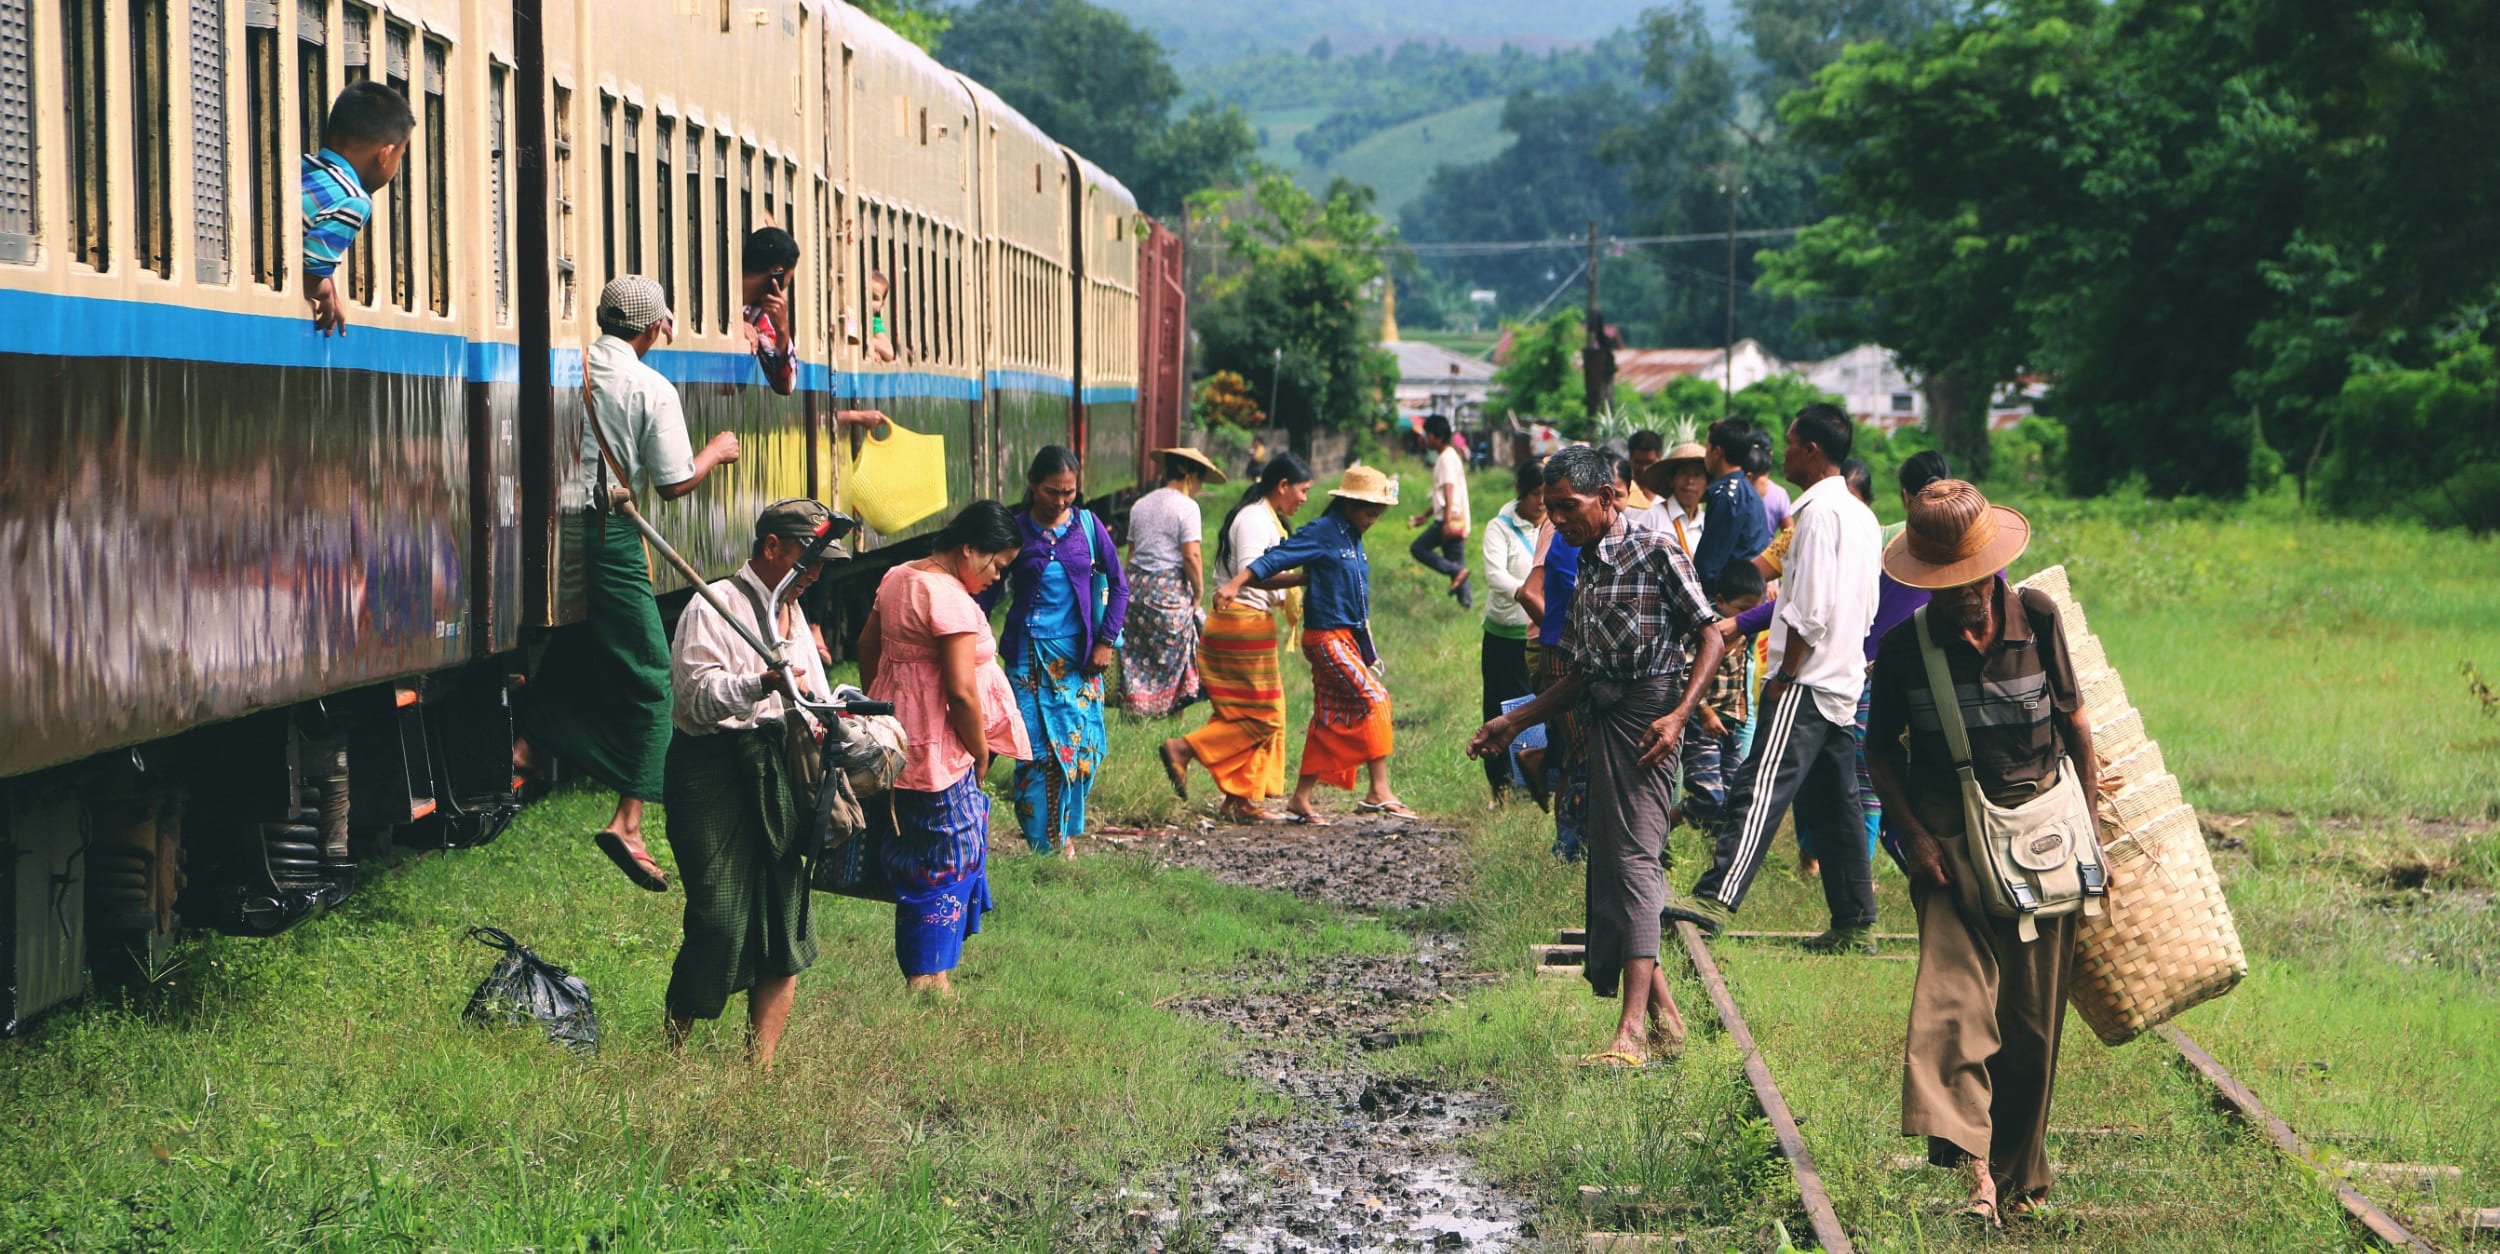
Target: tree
1100,85
919,21
1284,305
1541,379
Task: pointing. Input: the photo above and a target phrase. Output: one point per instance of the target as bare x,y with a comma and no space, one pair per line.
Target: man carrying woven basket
1981,1059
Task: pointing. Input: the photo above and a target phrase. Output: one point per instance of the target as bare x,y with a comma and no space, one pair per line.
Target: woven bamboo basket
2164,940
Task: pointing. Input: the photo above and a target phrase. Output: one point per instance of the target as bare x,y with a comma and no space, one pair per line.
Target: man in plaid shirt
1635,633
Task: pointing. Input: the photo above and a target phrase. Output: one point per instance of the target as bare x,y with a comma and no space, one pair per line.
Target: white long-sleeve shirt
718,680
1827,595
1509,554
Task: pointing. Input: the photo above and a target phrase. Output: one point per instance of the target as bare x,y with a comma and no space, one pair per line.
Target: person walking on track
736,826
1243,742
1443,544
1806,749
927,648
1167,584
600,698
1988,1007
1067,606
1640,637
1509,553
1350,725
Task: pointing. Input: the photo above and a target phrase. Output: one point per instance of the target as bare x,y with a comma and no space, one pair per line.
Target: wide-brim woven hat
1954,536
1215,473
1659,479
1368,485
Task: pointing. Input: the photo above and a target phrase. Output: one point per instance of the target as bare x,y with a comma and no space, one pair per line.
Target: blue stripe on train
1110,396
49,325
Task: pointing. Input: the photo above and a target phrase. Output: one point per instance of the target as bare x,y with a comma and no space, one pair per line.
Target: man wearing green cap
735,824
599,698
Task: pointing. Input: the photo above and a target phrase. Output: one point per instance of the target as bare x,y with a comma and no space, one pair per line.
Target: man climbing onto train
600,698
362,144
771,258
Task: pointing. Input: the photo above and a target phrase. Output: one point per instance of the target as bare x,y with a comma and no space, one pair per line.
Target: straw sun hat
1953,537
1215,474
1368,485
1659,479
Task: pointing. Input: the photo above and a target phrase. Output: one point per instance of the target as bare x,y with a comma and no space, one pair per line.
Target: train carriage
271,587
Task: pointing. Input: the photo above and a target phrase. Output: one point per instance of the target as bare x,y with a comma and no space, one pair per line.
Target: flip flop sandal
637,866
1177,772
1394,809
1614,1058
1980,1212
1253,817
1313,819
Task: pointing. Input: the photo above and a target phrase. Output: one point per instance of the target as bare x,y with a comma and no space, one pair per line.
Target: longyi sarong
735,827
1349,709
1627,825
1062,711
1159,649
936,850
600,698
1243,743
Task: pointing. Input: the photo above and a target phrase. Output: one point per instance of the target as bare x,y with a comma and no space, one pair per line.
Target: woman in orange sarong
1350,730
1243,742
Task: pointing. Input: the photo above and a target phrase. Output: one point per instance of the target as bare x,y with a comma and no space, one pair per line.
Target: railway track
2233,1096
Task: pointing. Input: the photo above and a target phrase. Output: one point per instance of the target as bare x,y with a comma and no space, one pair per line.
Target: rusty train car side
269,587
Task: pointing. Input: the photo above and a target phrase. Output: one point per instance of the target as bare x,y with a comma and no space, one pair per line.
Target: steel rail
1828,1231
2242,1101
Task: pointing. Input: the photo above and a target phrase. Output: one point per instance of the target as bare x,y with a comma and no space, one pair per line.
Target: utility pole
1732,190
1597,356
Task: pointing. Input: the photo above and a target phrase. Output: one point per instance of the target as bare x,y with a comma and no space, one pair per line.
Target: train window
562,118
746,204
90,196
720,233
770,215
437,180
607,183
664,204
151,140
397,39
823,237
498,169
790,194
17,132
269,207
924,126
630,215
356,66
208,141
312,69
694,224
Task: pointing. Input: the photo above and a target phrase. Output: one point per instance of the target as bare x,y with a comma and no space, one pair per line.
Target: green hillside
1396,162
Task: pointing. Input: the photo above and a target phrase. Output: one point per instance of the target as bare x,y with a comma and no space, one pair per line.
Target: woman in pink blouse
927,648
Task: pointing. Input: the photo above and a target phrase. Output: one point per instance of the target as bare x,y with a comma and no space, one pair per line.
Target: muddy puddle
1364,1160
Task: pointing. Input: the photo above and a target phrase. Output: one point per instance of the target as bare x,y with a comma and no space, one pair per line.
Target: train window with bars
720,233
312,69
790,194
770,186
825,234
268,208
746,207
151,138
664,204
17,132
397,48
694,224
437,178
607,184
90,184
561,181
630,213
208,142
355,66
498,169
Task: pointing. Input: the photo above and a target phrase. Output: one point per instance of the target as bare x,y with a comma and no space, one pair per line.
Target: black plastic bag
525,988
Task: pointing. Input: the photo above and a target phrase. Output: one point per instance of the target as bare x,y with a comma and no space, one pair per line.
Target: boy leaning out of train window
362,144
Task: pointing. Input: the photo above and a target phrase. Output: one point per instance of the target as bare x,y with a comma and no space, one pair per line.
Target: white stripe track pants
1801,759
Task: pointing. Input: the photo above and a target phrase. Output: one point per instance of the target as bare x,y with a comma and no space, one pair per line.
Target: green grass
1398,161
318,1091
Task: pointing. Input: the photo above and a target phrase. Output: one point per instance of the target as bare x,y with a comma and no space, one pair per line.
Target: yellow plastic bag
898,478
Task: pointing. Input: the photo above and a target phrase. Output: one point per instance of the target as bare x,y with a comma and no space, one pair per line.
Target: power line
1478,248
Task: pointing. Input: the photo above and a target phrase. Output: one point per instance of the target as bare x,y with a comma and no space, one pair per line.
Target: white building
1434,380
1871,385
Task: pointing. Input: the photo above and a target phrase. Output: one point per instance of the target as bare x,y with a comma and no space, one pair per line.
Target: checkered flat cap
632,302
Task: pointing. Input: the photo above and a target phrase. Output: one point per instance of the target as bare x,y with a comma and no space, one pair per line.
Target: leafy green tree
1285,307
1102,86
1541,379
920,21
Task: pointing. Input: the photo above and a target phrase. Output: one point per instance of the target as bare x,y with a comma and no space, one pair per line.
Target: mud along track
1361,1161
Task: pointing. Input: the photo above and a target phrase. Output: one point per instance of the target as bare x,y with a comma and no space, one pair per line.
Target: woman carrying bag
1067,601
927,648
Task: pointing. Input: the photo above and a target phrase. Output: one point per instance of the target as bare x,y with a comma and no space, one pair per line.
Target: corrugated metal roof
1419,362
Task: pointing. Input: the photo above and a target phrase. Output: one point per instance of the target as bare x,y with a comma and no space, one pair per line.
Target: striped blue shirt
336,209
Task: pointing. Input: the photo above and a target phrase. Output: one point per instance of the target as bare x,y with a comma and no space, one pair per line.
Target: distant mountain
1203,32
